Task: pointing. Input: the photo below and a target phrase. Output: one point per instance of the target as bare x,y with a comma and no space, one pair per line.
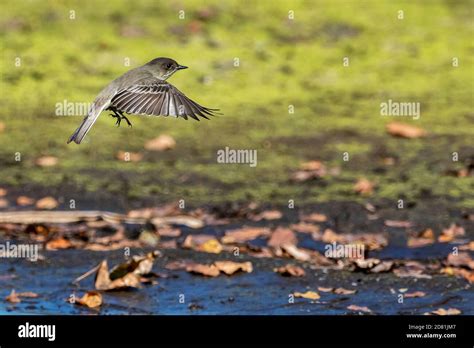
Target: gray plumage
143,91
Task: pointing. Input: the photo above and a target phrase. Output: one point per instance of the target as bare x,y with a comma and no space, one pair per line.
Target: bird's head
162,68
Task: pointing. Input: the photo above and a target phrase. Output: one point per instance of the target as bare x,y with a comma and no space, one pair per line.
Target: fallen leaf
469,246
3,203
322,289
2,127
23,200
398,224
462,259
373,241
414,294
359,309
46,161
290,270
168,231
244,234
47,203
303,227
185,220
413,269
15,297
230,267
58,243
403,130
203,242
296,253
162,143
314,217
3,192
459,272
282,236
449,311
206,270
308,294
129,156
451,233
383,266
364,187
103,281
342,291
91,299
268,215
308,171
421,239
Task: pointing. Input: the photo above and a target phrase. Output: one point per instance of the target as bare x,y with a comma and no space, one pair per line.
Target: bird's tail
86,124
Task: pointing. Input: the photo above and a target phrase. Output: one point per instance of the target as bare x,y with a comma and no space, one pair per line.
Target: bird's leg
123,117
117,116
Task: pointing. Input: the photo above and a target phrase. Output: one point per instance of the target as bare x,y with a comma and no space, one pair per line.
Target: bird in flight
143,91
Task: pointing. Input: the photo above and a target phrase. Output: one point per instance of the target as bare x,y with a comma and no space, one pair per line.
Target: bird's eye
169,65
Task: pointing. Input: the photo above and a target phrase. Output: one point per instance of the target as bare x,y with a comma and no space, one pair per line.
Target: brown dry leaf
421,239
203,242
129,156
15,297
312,295
290,270
3,192
383,266
469,246
230,267
373,241
282,236
185,220
268,215
162,143
296,253
413,269
168,244
314,217
342,291
449,311
364,187
303,227
244,234
398,224
414,294
459,272
23,201
2,127
150,212
46,161
47,203
177,265
58,243
322,289
308,171
91,299
103,281
3,203
359,308
168,231
206,270
451,233
460,260
403,130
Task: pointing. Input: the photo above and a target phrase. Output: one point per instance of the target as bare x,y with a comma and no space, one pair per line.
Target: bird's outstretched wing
159,98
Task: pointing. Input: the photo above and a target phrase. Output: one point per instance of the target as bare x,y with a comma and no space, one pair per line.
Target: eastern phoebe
143,91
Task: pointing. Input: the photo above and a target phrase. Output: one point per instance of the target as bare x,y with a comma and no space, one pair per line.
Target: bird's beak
181,67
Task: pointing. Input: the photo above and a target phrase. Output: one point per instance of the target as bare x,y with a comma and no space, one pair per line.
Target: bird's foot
120,116
119,119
